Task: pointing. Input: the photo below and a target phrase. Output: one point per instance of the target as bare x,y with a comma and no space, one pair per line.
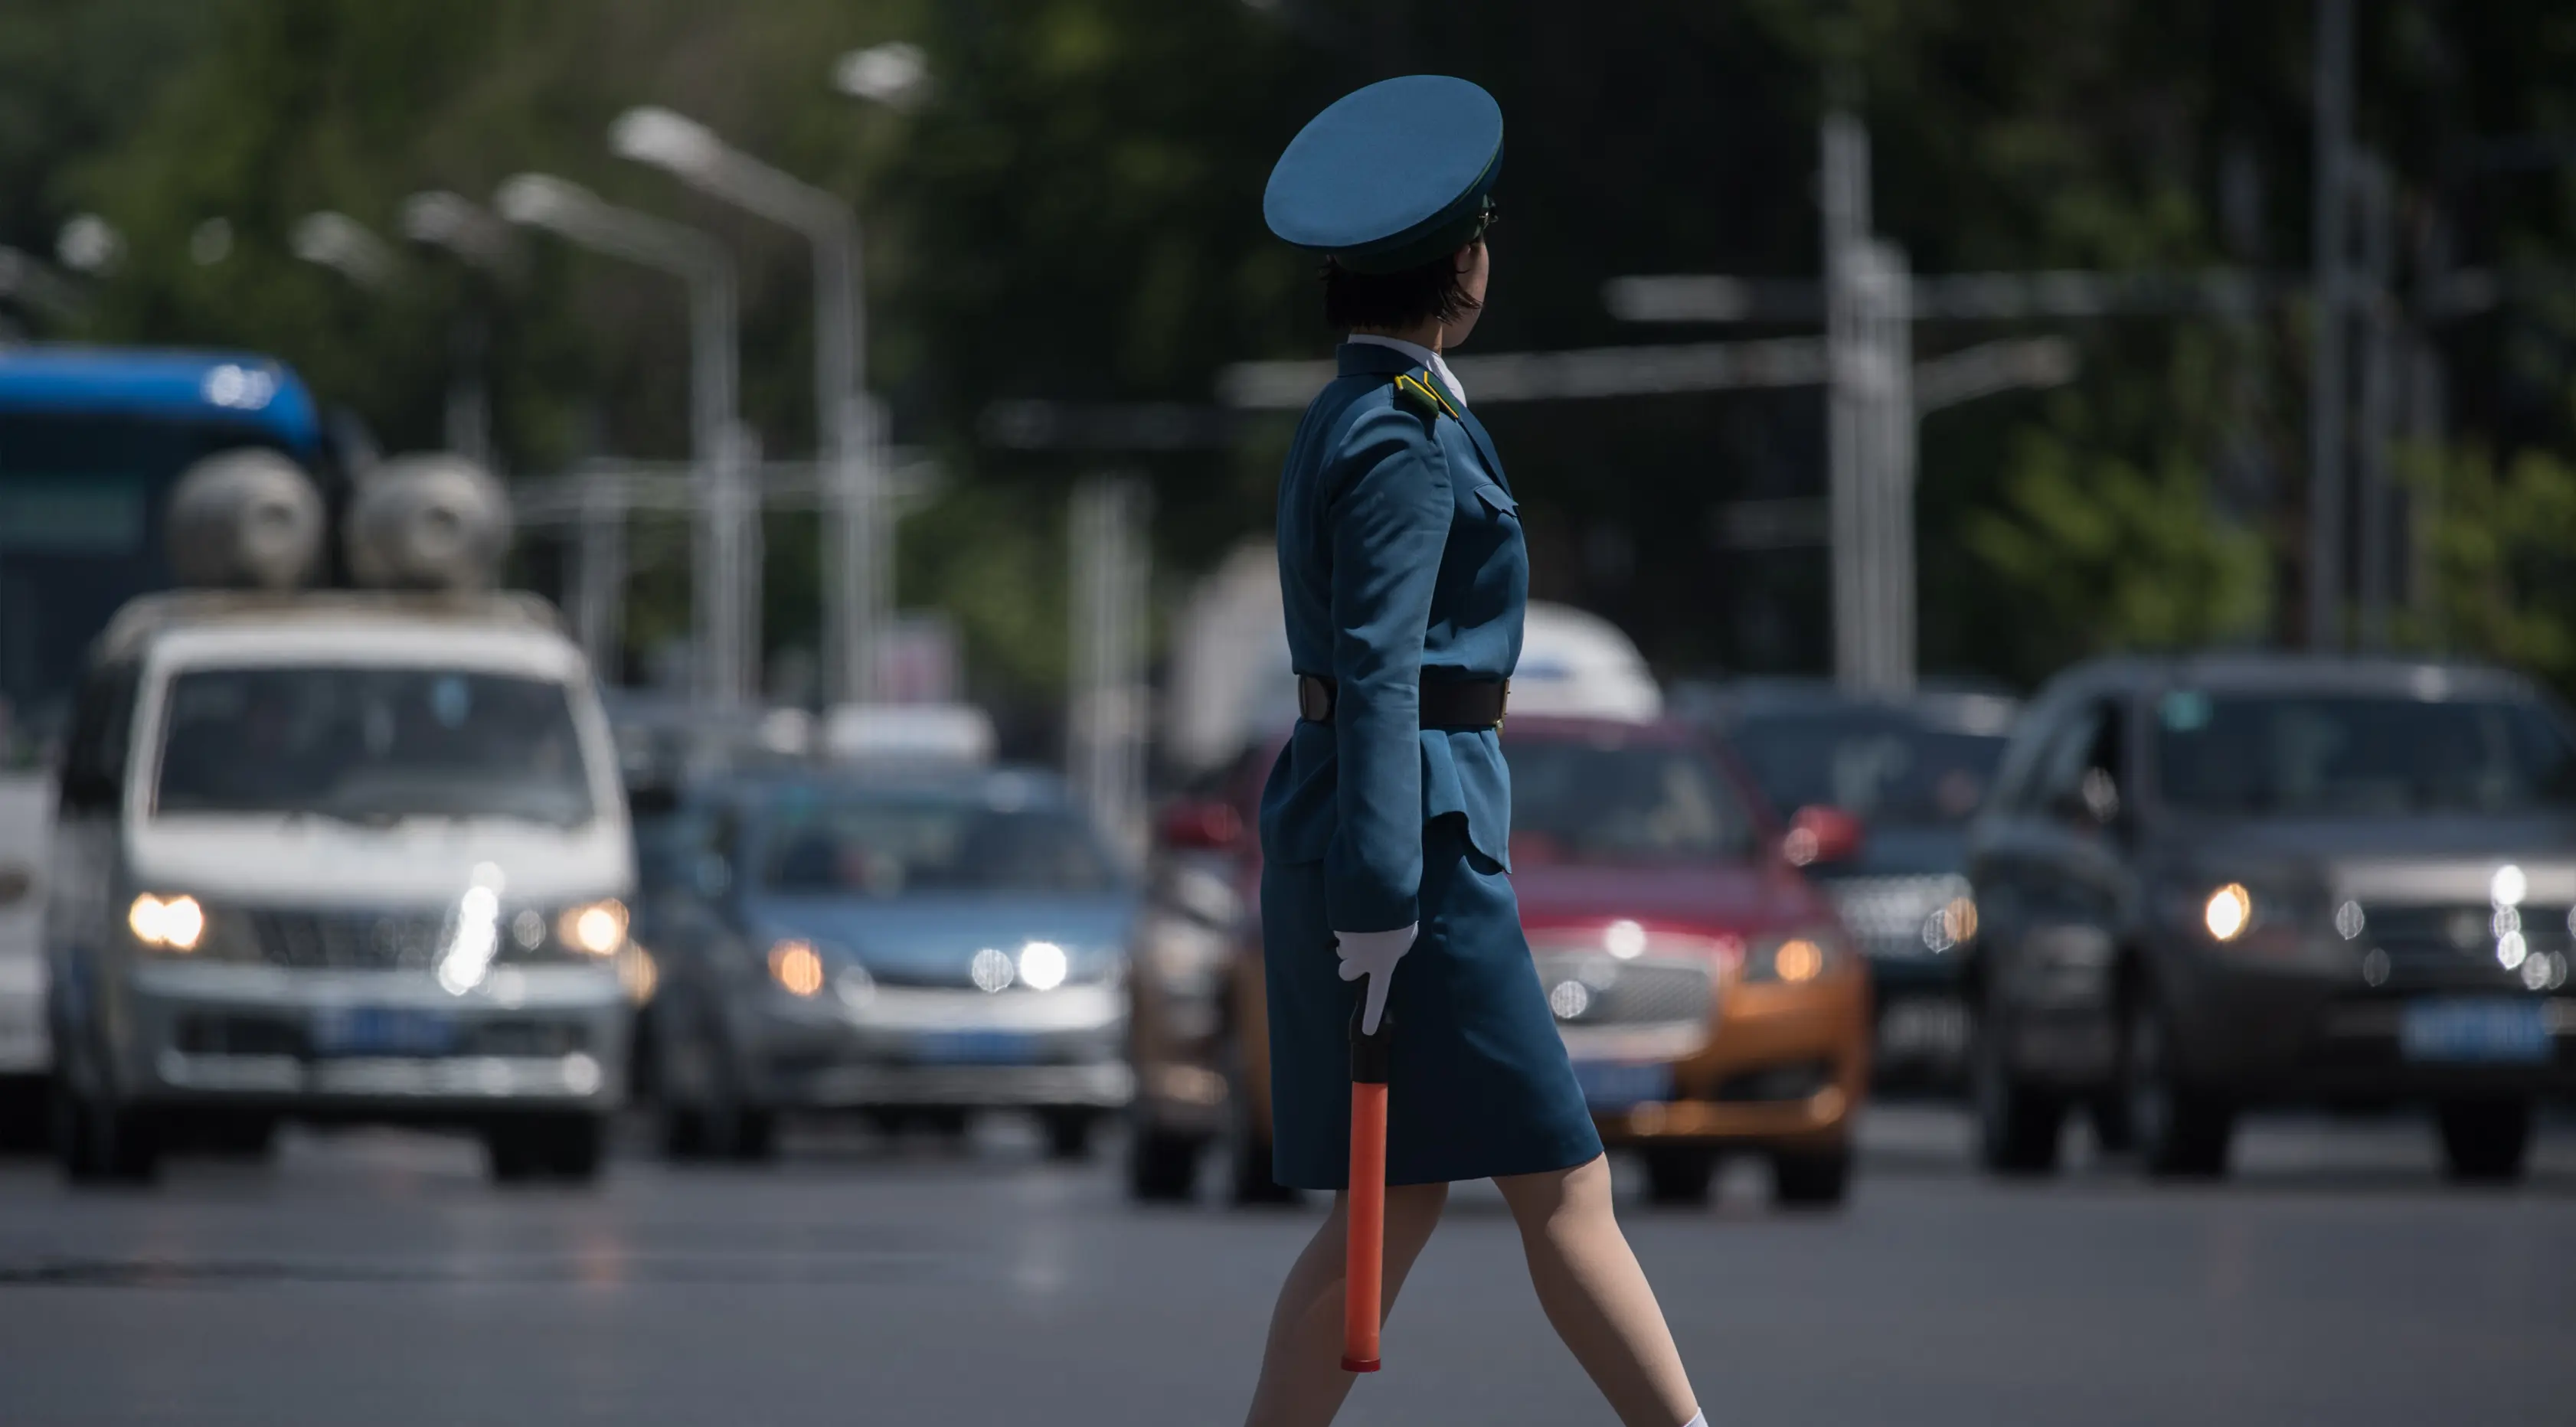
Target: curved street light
858,578
725,559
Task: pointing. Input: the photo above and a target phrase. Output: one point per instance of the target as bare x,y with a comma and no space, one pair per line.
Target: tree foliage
1074,214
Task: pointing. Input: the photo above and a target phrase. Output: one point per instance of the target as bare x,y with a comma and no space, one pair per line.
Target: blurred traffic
536,645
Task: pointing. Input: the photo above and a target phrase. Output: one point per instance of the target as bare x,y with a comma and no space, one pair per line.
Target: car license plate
2492,1030
381,1030
975,1048
1616,1085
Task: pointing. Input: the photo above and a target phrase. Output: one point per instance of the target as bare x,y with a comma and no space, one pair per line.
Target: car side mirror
1820,836
1197,825
2094,801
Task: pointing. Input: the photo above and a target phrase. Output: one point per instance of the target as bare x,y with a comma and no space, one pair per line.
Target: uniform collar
1421,355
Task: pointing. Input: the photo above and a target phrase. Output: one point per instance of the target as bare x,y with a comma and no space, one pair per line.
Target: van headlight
175,923
585,931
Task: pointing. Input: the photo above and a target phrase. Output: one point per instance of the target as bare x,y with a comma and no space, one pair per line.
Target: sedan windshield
1613,801
891,847
372,745
2359,755
1882,766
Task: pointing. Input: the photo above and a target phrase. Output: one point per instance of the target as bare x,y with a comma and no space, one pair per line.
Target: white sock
1698,1419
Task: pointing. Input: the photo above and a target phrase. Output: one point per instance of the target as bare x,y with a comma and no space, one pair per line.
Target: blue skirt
1479,1083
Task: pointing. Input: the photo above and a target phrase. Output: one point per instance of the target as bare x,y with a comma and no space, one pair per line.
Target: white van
338,855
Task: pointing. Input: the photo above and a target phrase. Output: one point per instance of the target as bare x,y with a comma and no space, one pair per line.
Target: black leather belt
1446,703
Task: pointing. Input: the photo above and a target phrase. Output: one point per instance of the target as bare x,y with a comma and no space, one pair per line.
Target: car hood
937,936
1719,897
2420,859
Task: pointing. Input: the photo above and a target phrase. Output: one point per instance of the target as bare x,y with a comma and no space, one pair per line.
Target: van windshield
371,745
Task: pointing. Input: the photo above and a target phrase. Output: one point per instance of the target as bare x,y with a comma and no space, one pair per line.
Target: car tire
1247,1156
1819,1179
516,1150
2113,1131
2181,1130
574,1147
24,1114
2485,1141
239,1135
1068,1133
1679,1176
1162,1167
2018,1123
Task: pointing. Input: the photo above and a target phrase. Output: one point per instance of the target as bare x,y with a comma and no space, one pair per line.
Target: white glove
1373,955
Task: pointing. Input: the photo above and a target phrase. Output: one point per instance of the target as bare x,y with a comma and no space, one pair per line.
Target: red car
1711,1000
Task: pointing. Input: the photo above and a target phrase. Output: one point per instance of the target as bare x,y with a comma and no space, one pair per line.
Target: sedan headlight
1796,958
796,966
593,928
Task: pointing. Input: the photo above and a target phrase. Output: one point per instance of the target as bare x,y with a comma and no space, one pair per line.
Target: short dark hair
1433,292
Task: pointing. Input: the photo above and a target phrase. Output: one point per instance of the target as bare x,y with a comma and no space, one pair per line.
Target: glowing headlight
1043,965
598,928
168,923
1795,959
2228,912
796,966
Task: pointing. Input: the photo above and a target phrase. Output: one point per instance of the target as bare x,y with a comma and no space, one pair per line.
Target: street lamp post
724,551
463,228
857,583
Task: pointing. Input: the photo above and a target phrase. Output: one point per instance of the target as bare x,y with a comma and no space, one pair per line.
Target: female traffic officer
1385,825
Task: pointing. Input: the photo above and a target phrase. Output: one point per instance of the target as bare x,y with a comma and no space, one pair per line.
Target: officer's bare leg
1596,1295
1302,1382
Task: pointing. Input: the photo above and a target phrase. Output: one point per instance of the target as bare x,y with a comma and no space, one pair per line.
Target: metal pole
2375,200
2326,376
726,621
599,580
1843,191
1105,724
724,549
856,585
854,603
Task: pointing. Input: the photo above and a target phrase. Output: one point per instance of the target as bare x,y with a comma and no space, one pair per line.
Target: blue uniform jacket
1400,558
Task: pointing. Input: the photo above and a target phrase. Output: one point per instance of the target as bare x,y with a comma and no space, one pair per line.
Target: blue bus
91,441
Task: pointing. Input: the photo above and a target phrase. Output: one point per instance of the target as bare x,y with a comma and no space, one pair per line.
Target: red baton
1364,1273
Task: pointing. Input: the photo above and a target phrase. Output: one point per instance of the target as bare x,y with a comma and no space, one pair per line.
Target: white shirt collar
1419,353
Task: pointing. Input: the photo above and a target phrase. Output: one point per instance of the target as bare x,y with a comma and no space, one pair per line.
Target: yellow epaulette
1423,394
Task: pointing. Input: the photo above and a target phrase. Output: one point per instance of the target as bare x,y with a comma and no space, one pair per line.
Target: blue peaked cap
1391,176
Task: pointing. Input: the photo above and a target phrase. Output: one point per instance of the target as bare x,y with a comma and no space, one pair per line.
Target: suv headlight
1799,957
2243,916
173,924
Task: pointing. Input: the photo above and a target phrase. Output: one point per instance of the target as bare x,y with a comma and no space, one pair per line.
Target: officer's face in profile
1475,264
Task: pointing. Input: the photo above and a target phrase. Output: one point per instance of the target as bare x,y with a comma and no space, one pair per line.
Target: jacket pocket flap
1498,500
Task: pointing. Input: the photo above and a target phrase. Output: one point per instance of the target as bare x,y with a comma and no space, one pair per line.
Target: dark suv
2210,883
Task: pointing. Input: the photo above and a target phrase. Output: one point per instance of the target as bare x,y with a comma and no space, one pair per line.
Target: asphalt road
375,1278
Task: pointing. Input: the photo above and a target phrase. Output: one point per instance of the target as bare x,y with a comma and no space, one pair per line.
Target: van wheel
24,1114
1068,1133
1680,1175
2181,1132
1816,1180
97,1141
2017,1122
2485,1141
1162,1168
